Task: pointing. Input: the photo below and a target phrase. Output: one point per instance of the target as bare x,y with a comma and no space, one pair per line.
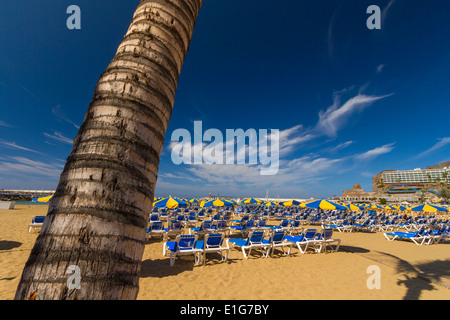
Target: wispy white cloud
341,146
337,115
22,165
13,145
442,143
296,171
368,155
59,137
292,138
57,112
331,28
385,11
380,68
4,124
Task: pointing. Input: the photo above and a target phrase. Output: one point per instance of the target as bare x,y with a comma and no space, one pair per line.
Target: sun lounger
439,235
154,216
183,245
247,227
155,228
214,242
345,226
295,227
174,228
36,222
191,220
260,225
220,226
418,237
306,240
326,240
277,240
283,225
205,227
253,241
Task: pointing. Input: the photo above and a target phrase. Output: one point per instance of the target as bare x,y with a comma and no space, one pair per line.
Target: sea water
31,203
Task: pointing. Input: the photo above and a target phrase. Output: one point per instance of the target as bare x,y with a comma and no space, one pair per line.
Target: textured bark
98,216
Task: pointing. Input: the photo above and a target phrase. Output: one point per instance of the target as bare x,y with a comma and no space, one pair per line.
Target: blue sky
349,102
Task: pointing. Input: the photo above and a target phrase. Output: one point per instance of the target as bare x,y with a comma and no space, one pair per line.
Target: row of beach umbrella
175,202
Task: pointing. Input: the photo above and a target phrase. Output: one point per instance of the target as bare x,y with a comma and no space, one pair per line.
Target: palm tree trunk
98,216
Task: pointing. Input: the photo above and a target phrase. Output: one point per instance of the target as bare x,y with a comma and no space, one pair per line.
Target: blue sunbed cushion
171,245
199,244
299,238
38,219
239,242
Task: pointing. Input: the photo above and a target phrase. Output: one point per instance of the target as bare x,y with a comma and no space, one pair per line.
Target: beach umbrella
252,200
217,203
427,208
399,207
170,202
291,203
271,203
353,207
324,205
194,201
43,199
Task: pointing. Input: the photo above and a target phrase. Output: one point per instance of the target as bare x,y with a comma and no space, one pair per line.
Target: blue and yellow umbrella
252,201
217,203
170,203
291,203
427,208
43,199
353,207
324,205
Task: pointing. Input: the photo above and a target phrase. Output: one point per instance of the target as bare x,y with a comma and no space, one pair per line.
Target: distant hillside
440,165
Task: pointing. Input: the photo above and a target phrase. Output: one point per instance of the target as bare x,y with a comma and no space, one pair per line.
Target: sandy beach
408,271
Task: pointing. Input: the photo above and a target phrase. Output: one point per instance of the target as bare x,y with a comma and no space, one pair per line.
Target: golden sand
408,271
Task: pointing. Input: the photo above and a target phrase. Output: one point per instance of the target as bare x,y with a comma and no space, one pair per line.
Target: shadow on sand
418,278
421,277
8,245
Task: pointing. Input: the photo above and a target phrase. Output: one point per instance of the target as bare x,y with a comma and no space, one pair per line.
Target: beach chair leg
243,251
267,250
172,258
386,236
300,248
319,247
270,250
337,245
203,258
197,258
225,257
